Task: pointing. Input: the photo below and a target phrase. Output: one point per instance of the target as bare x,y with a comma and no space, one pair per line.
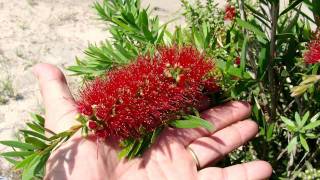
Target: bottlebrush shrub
133,101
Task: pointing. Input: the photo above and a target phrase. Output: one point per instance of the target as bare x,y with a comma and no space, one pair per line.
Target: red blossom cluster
312,56
230,13
138,98
237,60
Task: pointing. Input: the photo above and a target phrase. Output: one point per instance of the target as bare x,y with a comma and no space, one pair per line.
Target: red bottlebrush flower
230,13
92,124
237,61
312,56
138,98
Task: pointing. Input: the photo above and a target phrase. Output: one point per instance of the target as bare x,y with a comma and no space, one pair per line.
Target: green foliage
190,121
132,148
133,32
270,48
33,148
135,147
301,129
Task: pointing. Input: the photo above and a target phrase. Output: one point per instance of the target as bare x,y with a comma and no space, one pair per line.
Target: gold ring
194,156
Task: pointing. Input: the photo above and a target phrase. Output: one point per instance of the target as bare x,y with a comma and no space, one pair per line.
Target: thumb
59,104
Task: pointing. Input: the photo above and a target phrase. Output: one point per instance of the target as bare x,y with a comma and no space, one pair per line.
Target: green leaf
315,117
270,130
26,161
38,118
257,13
17,153
304,142
126,150
155,134
137,148
12,161
36,142
29,170
243,56
36,127
292,144
262,61
35,134
192,122
60,135
161,35
198,38
251,27
298,119
18,144
291,6
305,118
287,121
312,125
311,135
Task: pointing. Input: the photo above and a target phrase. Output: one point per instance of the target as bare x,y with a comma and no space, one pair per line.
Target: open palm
168,158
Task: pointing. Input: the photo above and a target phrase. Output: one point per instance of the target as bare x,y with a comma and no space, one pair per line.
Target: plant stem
316,17
271,74
242,11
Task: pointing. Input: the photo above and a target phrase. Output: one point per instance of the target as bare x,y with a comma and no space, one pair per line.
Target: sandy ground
34,31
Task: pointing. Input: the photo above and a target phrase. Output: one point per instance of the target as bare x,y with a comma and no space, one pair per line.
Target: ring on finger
194,156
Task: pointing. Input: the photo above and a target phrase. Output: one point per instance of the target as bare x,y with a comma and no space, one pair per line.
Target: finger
212,148
252,170
58,101
220,116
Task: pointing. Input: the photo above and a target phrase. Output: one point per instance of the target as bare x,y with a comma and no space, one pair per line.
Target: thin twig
271,74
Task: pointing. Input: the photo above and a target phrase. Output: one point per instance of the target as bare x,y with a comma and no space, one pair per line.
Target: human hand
169,158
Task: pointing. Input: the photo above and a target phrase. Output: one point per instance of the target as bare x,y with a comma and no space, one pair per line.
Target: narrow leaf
26,161
12,161
291,6
36,127
35,134
312,125
304,142
305,118
192,122
18,144
315,117
287,121
17,153
29,170
125,151
251,27
36,142
298,119
243,56
38,118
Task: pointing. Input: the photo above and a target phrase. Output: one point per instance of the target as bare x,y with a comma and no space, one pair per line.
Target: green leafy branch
133,32
302,128
33,148
132,148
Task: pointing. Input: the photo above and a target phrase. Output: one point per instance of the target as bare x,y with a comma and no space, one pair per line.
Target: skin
168,158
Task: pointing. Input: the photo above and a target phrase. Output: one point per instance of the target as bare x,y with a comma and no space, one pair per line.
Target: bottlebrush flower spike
136,99
230,13
312,56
